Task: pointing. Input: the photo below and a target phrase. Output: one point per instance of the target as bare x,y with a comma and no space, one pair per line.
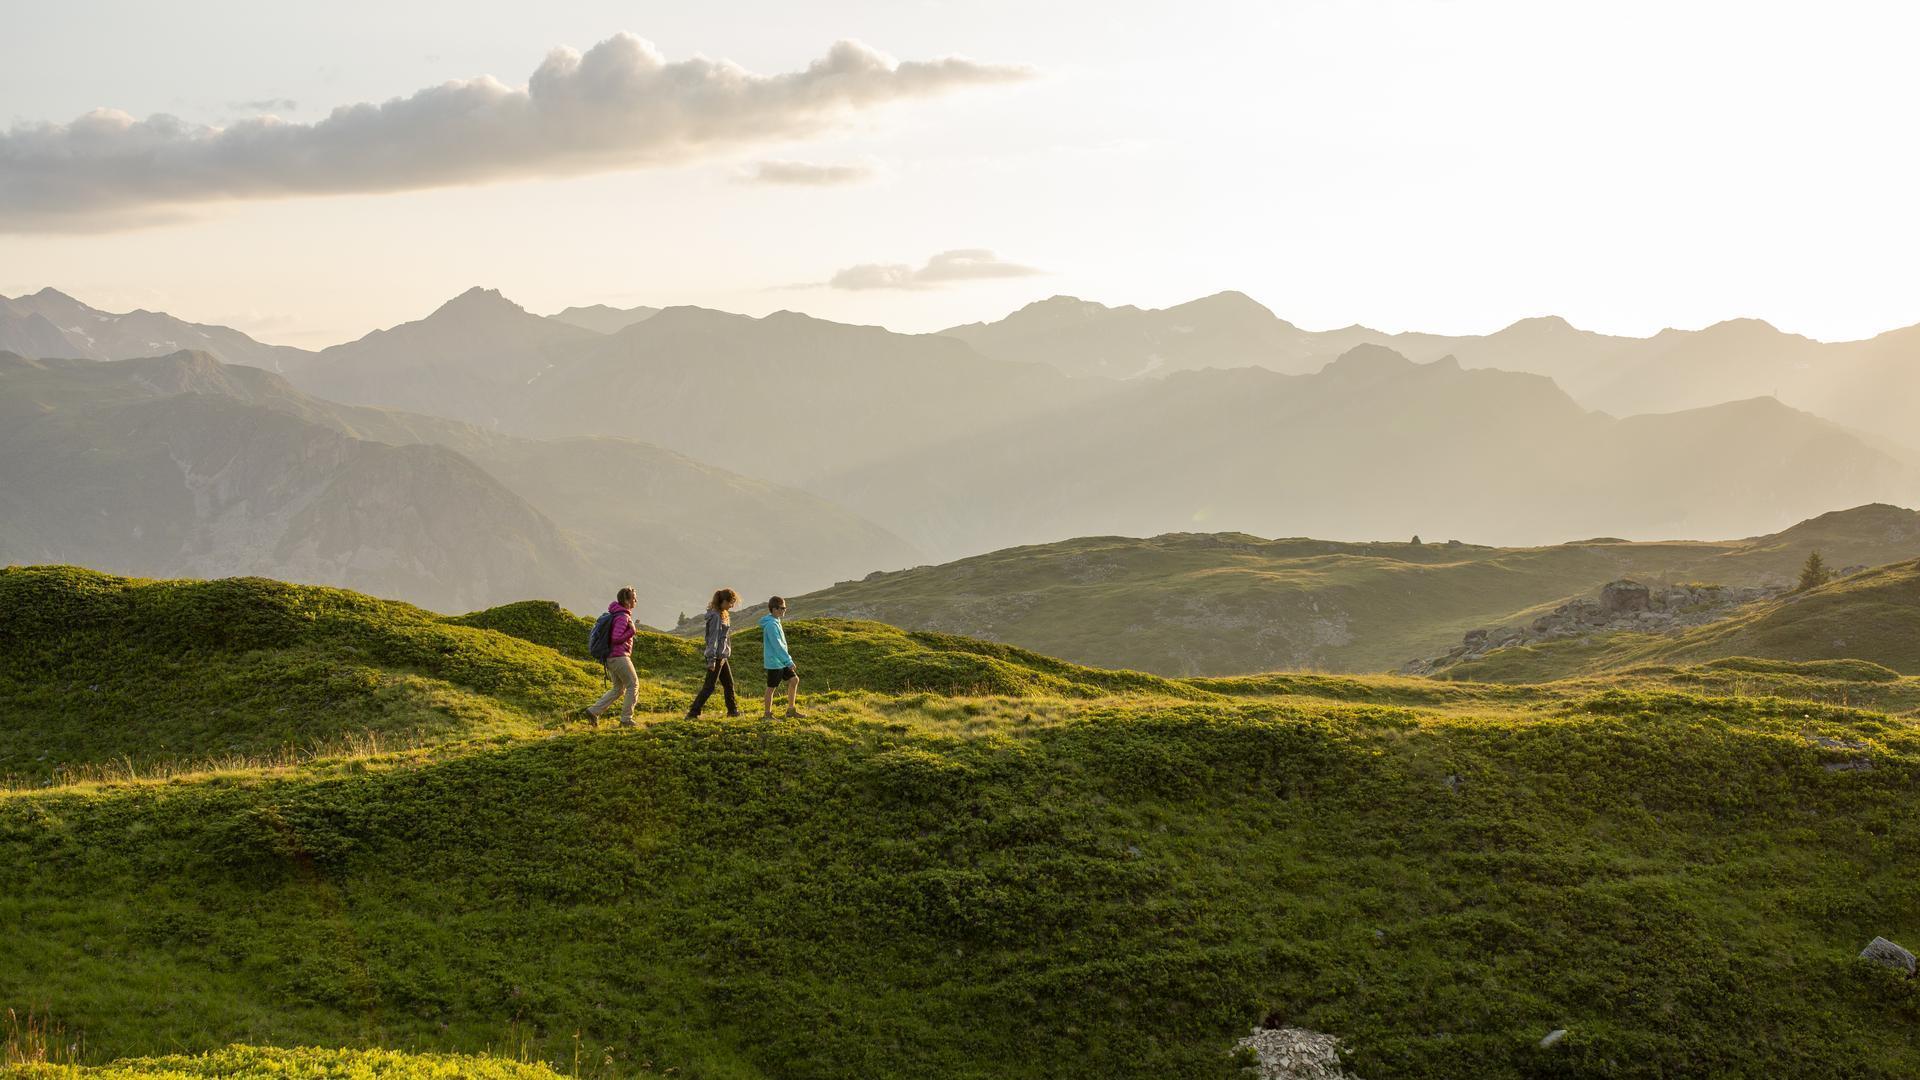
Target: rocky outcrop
1618,606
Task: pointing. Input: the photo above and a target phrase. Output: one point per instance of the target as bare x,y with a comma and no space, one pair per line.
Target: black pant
723,674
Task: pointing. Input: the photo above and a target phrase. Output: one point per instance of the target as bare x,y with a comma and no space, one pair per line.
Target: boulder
1882,951
1620,597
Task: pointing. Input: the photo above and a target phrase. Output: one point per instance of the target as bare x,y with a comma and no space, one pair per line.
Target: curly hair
722,600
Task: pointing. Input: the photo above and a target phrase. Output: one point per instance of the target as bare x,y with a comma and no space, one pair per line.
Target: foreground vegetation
260,1063
970,862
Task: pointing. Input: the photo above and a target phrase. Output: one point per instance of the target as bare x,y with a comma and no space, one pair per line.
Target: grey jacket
719,638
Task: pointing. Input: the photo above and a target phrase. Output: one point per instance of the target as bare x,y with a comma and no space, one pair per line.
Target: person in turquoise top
777,660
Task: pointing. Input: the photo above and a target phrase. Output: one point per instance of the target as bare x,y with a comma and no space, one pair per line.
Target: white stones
1291,1053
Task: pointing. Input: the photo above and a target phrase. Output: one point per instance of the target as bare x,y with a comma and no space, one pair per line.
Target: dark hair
624,597
777,603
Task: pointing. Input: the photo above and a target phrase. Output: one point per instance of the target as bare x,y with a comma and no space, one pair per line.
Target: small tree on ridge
1814,574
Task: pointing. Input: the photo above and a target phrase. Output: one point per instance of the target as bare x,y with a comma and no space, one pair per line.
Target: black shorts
776,676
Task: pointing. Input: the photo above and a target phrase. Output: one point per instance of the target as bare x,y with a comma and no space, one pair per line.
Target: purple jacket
622,631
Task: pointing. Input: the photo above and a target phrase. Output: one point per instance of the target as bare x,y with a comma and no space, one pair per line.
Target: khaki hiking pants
625,680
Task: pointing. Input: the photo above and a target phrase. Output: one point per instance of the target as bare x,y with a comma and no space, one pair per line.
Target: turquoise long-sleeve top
773,644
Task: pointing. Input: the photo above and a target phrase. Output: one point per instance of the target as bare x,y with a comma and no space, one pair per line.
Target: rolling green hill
1870,620
1226,603
99,671
104,675
970,862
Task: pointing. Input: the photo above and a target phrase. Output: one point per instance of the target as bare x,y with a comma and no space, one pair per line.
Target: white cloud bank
619,105
968,264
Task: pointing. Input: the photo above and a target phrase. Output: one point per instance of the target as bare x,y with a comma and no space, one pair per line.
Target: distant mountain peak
1063,301
1539,324
1230,299
51,293
604,318
479,300
1368,361
1058,309
1729,328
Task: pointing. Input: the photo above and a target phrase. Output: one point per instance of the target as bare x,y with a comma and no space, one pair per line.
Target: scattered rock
1882,951
1453,782
1290,1053
1553,1037
1856,765
1619,605
1836,744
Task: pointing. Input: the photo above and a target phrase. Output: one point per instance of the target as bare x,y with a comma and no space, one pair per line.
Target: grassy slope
1118,894
267,1063
1044,884
1215,604
97,670
109,674
1871,619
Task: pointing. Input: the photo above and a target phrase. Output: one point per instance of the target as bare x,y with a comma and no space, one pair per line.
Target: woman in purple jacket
620,661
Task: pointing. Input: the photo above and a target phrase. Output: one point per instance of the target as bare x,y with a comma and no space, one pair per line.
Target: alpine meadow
1285,541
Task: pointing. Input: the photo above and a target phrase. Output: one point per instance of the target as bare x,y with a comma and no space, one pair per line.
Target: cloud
619,105
265,105
967,264
807,173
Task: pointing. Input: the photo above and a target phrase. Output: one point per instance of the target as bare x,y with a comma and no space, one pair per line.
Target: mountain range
180,465
50,324
786,397
1868,384
1372,445
962,452
1865,384
1071,419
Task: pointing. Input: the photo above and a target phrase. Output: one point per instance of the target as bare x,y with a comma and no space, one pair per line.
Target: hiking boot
628,723
768,715
592,718
795,714
734,714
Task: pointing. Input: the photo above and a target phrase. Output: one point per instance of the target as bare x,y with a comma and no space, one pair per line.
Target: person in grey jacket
719,650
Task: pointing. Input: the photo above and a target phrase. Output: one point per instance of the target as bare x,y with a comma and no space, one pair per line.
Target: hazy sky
1448,165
